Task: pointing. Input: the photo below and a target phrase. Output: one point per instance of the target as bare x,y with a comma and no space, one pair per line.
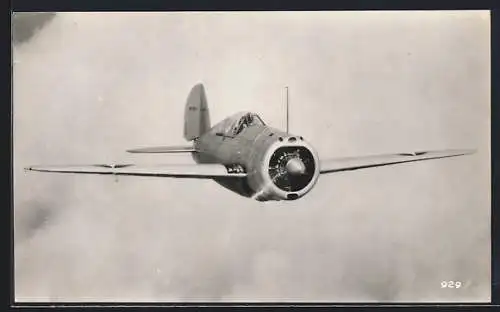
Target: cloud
88,86
25,25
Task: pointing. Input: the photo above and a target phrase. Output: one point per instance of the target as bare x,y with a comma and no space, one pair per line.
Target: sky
88,86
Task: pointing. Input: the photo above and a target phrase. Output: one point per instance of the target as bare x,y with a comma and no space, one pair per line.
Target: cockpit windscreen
247,120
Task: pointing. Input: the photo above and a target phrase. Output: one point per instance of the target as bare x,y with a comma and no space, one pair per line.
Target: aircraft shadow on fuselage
237,185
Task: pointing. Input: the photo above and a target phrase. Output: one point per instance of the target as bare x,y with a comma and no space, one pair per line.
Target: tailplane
196,123
163,150
196,114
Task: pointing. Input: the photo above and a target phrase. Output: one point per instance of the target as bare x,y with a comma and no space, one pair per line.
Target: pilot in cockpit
245,121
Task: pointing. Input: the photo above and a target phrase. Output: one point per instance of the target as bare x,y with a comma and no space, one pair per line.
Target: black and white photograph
249,157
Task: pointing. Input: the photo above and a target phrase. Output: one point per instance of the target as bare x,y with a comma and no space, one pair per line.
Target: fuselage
279,166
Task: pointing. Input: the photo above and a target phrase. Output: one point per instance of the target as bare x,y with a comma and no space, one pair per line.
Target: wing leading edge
354,163
195,171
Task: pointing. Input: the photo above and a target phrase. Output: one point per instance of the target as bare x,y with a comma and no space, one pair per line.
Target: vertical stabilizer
196,114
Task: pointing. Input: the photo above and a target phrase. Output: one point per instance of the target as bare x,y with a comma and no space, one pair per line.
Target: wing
196,171
163,149
354,163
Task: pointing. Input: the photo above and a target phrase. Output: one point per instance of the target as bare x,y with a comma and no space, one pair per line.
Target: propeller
291,168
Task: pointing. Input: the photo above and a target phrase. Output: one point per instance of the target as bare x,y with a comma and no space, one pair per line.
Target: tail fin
196,114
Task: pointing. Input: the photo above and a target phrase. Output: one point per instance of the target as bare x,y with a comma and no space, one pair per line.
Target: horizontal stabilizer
196,171
163,149
355,163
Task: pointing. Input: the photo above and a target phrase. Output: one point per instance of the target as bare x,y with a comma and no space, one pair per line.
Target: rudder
196,114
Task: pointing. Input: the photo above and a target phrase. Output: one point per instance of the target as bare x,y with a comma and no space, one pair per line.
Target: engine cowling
287,170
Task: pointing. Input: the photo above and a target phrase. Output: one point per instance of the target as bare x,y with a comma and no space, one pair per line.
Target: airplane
246,156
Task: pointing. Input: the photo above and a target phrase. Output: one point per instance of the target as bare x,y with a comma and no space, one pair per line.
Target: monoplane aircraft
245,155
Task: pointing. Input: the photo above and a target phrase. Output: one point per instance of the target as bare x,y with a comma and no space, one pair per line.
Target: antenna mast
287,110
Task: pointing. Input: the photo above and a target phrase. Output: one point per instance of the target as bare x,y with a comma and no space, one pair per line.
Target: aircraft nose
295,166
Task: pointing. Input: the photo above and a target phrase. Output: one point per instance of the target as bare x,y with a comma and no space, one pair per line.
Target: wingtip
469,151
31,168
136,150
459,152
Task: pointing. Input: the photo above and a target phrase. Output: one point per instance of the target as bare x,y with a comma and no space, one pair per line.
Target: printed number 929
451,284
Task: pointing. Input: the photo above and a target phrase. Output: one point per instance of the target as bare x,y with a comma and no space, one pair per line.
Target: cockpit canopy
234,124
